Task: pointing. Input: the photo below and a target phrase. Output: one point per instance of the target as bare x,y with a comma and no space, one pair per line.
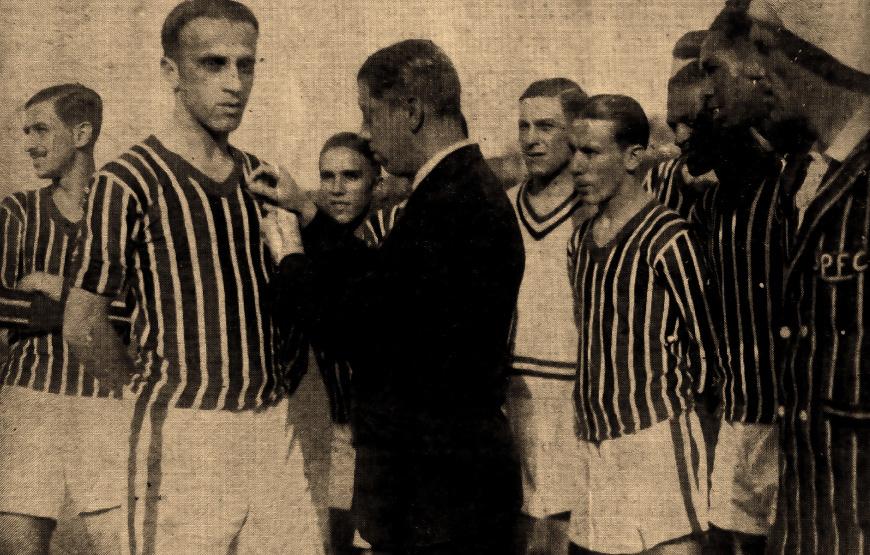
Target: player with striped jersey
744,223
544,336
58,430
646,343
209,439
678,183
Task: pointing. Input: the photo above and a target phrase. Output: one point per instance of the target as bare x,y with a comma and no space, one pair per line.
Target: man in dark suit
424,320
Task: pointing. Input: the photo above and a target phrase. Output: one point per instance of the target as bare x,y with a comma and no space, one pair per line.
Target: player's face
786,79
347,181
598,165
385,126
543,134
215,68
50,143
738,92
691,126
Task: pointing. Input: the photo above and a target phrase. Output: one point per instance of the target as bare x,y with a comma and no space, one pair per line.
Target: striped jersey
666,182
743,226
824,498
544,334
36,237
191,251
645,328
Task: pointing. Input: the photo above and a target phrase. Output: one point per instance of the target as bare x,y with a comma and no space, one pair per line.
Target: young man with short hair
646,344
544,336
213,463
58,415
349,174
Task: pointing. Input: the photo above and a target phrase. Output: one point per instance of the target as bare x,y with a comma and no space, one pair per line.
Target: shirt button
803,416
780,411
785,332
805,331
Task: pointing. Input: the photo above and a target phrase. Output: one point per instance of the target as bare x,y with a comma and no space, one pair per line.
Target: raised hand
275,185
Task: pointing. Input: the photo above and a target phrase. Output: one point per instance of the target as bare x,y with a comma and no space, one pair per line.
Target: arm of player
680,264
92,337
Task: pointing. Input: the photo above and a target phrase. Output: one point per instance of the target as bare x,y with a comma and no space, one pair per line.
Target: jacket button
785,332
803,416
805,331
780,411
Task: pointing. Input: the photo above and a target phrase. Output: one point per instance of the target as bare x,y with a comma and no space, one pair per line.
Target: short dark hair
354,142
74,103
414,68
631,126
569,94
187,11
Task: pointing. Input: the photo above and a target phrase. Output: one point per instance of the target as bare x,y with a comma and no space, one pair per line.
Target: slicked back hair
353,142
631,126
415,68
74,104
189,10
569,94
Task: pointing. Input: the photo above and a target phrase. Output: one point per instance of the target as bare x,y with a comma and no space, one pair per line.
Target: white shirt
427,168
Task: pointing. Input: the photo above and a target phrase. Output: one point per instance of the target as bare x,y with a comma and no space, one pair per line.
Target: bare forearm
92,337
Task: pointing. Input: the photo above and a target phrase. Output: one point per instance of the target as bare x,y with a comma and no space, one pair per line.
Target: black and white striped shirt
666,182
743,226
191,249
646,333
36,237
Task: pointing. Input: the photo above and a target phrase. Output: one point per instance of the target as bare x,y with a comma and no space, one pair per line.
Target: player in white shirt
544,339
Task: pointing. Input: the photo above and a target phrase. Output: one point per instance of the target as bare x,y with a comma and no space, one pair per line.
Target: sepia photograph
445,277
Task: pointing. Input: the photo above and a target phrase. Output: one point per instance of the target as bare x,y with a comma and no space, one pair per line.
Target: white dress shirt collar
427,168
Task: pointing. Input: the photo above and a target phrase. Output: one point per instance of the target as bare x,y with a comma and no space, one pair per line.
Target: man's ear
170,72
83,133
416,114
633,157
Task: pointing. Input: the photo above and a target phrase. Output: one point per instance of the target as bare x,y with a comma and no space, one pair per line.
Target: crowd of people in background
612,354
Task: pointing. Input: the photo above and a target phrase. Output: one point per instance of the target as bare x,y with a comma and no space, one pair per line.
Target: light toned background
311,49
306,84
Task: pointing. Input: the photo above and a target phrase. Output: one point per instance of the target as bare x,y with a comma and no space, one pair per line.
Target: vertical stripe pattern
37,238
646,332
192,252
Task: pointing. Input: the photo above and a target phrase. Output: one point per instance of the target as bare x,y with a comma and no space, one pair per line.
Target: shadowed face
544,137
50,143
214,71
388,129
347,181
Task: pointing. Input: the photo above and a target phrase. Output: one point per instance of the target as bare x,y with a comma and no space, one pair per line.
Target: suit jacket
824,499
424,321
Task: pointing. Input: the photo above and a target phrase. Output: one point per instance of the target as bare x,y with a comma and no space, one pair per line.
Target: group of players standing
549,370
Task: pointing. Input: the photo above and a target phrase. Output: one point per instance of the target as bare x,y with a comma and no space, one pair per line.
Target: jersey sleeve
112,218
19,309
680,264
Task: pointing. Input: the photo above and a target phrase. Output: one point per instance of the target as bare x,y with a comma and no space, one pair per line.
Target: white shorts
541,414
342,458
51,445
745,478
642,489
206,480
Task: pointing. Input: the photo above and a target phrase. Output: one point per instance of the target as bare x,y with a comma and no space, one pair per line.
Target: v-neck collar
540,225
217,188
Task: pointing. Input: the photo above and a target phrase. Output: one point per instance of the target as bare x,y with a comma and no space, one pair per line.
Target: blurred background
306,83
